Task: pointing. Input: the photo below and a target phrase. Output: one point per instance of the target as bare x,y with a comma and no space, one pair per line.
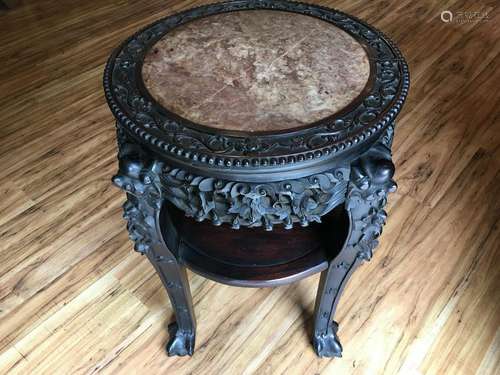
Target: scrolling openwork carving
302,200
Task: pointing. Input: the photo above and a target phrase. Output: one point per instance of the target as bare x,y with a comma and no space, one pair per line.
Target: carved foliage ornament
302,200
371,182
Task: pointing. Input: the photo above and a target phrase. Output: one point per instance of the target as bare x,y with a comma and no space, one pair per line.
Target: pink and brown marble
258,70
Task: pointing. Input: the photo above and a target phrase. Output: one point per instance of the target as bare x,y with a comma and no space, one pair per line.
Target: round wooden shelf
253,257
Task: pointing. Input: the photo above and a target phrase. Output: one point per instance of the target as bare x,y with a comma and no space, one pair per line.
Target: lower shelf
252,257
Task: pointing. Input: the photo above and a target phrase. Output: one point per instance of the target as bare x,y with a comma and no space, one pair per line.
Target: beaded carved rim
180,139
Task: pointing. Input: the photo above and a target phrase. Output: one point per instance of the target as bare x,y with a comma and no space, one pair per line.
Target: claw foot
328,345
180,343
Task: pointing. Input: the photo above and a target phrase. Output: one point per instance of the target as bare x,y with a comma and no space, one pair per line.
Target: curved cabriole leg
143,213
370,182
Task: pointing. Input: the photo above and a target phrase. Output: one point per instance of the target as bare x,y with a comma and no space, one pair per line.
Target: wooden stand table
255,148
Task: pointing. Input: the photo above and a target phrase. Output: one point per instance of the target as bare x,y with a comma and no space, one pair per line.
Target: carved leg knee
370,182
145,215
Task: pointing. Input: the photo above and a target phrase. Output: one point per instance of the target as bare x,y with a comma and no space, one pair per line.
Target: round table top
256,70
255,90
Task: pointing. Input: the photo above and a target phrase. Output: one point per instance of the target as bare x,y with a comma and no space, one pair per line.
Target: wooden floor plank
75,298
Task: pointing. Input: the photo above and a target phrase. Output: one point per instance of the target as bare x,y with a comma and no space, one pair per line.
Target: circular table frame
259,180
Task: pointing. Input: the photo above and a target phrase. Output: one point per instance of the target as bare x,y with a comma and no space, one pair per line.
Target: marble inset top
256,70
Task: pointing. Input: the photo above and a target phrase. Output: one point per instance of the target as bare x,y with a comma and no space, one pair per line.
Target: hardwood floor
75,298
